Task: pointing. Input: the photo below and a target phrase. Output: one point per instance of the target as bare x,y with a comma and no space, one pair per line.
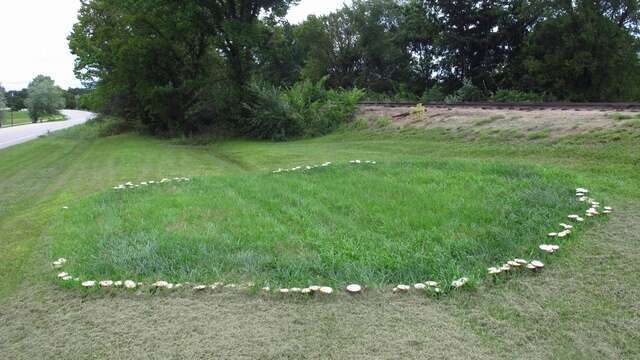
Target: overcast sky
34,38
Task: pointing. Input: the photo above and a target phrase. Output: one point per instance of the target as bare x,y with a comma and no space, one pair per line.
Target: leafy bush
516,96
470,92
304,110
433,94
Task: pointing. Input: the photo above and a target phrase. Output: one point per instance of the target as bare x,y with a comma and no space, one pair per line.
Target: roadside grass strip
235,227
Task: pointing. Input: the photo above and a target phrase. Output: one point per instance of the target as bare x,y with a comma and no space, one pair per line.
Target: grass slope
583,306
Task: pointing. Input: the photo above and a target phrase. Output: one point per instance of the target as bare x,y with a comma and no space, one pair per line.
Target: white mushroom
326,290
521,261
129,284
88,283
608,208
62,274
494,270
314,288
67,278
573,216
354,289
117,283
283,291
295,290
106,283
266,289
402,288
160,284
419,286
431,283
553,234
305,291
537,264
460,282
200,287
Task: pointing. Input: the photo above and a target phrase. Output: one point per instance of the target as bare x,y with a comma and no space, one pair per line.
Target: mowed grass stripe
394,222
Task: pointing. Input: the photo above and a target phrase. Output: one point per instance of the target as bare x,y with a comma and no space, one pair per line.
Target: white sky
34,38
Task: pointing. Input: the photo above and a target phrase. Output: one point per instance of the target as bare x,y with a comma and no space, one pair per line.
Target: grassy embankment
590,286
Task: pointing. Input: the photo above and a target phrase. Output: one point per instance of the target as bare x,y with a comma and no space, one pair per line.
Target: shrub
433,94
306,109
516,96
383,122
470,92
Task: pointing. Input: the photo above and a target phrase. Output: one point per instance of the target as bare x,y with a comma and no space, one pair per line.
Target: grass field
395,222
584,305
22,117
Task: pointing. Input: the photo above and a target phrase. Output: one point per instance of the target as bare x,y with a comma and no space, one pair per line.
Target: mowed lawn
22,117
443,205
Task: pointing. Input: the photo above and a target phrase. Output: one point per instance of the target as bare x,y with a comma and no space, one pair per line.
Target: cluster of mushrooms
311,167
536,265
130,185
427,286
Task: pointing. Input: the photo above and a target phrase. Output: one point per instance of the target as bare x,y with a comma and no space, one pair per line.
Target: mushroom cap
419,286
553,234
582,190
67,278
608,208
403,287
354,288
199,287
129,284
566,226
579,219
538,264
503,268
106,283
283,291
460,282
266,289
531,266
305,291
431,283
88,283
326,290
573,216
314,288
160,284
295,290
62,274
494,271
521,261
513,263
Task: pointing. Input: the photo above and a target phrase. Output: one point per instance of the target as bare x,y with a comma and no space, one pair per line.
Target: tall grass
393,222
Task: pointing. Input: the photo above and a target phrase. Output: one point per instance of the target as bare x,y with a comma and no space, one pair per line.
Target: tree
3,103
15,99
583,55
173,65
44,98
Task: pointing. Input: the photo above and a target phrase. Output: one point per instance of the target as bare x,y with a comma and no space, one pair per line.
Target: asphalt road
23,133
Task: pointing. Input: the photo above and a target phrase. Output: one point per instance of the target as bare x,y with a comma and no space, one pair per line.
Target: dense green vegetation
389,223
191,67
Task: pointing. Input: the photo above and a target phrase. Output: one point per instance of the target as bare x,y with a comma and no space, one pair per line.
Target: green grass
396,222
22,117
588,291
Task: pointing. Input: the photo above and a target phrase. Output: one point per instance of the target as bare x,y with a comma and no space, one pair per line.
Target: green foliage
433,94
584,56
44,98
503,95
3,103
304,110
383,122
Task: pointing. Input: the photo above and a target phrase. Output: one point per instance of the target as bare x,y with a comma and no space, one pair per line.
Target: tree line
42,98
194,65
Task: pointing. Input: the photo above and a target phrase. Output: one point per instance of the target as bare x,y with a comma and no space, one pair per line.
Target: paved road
23,133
